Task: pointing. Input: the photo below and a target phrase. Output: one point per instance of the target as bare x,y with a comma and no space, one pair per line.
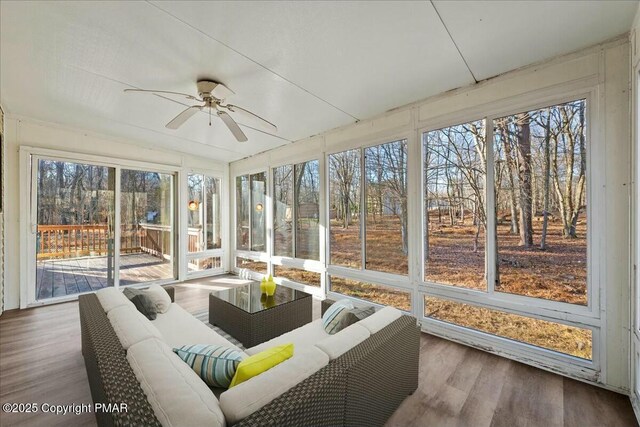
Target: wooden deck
55,278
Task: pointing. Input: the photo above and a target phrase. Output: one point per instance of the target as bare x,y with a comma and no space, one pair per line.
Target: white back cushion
178,327
111,298
177,395
302,337
131,326
338,344
380,319
244,399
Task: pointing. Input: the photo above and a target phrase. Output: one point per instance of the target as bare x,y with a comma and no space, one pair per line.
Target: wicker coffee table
253,318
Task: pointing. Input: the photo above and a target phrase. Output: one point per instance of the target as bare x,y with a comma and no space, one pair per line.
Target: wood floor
40,361
55,278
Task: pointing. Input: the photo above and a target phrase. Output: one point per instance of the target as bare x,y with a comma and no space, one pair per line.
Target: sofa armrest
171,291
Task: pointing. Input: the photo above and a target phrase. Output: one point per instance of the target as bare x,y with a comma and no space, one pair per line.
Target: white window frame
316,266
184,243
589,316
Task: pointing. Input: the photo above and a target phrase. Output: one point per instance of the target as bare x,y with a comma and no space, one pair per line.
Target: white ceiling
306,66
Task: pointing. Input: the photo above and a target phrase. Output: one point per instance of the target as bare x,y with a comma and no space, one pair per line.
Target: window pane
298,275
212,189
386,237
541,203
201,264
195,184
307,202
146,242
455,219
243,202
377,293
344,213
249,264
553,336
258,211
283,210
75,217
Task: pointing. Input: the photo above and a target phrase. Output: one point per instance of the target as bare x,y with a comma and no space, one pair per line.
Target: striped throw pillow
331,317
215,364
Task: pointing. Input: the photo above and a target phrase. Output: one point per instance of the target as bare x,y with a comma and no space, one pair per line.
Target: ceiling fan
213,95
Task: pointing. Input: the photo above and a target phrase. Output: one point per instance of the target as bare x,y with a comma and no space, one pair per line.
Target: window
297,275
297,202
553,336
454,205
283,211
344,209
379,294
386,225
203,264
203,213
540,161
258,200
252,265
251,192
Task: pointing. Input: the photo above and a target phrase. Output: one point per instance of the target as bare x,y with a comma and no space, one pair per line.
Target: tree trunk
524,178
547,177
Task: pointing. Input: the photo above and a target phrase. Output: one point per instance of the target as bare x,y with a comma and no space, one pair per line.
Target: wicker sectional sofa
361,386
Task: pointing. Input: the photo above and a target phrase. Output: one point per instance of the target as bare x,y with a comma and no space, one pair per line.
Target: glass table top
250,299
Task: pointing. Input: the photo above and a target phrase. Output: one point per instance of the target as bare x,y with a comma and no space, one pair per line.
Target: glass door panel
75,235
147,227
203,221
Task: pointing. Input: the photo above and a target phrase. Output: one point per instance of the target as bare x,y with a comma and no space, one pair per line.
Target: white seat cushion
131,326
380,319
177,394
244,399
179,328
338,344
302,337
111,298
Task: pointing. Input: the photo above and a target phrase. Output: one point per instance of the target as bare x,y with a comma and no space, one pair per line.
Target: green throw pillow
215,364
143,303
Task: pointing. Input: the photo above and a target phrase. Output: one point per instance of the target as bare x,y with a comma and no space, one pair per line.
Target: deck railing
70,241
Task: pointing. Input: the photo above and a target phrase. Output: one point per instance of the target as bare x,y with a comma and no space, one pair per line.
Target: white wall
635,219
603,72
25,132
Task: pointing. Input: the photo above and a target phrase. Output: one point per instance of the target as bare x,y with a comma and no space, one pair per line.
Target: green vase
270,288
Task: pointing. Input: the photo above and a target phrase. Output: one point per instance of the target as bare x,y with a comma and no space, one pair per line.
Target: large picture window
540,161
386,226
296,210
251,192
454,209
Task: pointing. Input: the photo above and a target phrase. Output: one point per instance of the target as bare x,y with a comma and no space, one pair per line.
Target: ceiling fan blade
183,117
252,116
165,92
221,91
233,126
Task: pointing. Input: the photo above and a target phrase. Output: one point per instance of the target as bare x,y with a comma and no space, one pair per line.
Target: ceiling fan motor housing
205,87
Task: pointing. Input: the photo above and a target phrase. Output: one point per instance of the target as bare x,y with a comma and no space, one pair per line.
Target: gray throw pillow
349,317
143,303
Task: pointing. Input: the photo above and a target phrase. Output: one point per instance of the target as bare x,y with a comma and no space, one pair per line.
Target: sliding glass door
147,248
75,228
74,207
